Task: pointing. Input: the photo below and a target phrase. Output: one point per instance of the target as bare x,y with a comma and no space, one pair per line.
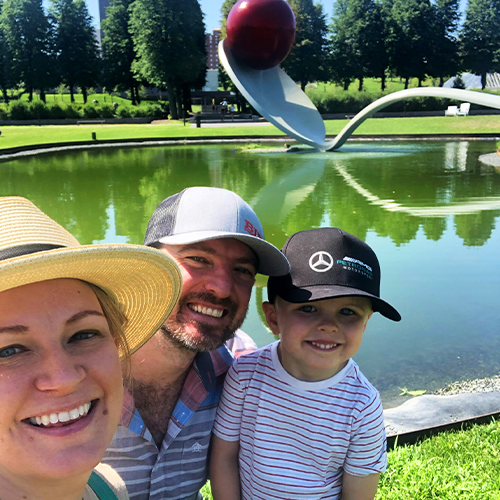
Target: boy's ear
271,318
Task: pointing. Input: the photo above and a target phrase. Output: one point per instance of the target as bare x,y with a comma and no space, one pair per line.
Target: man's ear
271,317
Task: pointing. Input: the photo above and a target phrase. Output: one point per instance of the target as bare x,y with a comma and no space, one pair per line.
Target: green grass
15,136
461,465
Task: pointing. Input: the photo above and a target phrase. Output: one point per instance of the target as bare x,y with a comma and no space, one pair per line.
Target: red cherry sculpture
260,33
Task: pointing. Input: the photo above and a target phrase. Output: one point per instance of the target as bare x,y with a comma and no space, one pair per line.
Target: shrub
124,112
72,110
38,110
106,111
56,112
4,113
90,111
18,110
148,110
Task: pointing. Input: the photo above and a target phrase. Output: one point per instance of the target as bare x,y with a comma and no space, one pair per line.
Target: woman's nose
59,372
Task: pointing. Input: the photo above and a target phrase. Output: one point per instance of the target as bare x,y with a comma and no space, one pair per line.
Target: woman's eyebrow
83,314
14,329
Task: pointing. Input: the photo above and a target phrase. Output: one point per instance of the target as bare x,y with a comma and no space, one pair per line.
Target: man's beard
211,336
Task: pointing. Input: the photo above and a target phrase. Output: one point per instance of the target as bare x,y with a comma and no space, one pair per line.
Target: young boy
297,419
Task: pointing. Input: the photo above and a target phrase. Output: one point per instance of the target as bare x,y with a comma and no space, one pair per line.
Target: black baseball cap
326,263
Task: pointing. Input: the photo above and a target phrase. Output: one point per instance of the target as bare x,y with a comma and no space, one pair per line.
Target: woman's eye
10,351
84,335
307,309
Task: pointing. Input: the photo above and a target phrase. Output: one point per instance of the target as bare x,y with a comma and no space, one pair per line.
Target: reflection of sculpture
276,96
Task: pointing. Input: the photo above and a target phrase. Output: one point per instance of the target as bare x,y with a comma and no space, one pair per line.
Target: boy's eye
307,309
345,311
10,351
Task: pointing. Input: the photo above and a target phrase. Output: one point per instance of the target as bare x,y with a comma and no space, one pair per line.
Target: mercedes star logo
321,262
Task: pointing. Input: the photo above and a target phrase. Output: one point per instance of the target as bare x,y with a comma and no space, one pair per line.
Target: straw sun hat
34,248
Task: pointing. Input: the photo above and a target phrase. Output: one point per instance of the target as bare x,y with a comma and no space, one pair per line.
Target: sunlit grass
461,465
15,136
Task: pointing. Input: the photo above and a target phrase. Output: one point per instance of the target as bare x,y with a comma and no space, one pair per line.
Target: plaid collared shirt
179,469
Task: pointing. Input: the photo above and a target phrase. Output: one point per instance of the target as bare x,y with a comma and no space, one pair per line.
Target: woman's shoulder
112,479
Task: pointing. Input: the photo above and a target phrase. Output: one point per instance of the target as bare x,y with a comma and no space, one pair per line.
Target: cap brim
145,281
308,294
271,261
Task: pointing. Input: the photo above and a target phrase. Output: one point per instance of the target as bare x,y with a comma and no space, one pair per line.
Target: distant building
212,45
103,5
472,81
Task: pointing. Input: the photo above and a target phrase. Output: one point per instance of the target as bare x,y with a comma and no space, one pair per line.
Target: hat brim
271,261
308,294
146,282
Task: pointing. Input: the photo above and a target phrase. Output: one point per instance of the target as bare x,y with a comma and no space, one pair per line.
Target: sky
211,9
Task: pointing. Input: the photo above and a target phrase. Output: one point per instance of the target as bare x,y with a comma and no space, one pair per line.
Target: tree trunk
382,81
180,110
42,95
71,93
360,87
137,96
420,81
186,97
5,95
303,85
441,81
407,81
30,94
132,95
171,102
84,93
346,84
483,80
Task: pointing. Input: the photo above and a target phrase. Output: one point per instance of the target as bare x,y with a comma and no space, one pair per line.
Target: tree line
146,42
402,38
162,43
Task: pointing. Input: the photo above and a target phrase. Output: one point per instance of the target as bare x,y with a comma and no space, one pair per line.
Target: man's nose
59,371
220,282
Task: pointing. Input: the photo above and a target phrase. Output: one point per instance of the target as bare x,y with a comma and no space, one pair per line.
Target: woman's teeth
63,416
216,313
324,346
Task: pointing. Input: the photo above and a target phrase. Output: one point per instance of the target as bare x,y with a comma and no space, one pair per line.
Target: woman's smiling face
60,381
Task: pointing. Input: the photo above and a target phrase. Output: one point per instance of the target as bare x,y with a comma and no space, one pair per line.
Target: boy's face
318,338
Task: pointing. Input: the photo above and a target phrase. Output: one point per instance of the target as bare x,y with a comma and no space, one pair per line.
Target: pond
430,210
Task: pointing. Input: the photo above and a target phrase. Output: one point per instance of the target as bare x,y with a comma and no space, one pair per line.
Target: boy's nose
327,324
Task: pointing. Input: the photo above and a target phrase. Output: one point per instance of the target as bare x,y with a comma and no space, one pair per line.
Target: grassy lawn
14,136
461,465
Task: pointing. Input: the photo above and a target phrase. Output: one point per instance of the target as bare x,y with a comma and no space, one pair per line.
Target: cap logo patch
321,262
250,229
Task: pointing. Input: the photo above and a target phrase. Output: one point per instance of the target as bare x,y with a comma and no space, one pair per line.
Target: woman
68,313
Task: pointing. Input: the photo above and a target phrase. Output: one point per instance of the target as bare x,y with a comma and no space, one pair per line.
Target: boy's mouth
323,346
59,419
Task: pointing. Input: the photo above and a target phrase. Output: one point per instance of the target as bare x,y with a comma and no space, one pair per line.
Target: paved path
229,123
429,411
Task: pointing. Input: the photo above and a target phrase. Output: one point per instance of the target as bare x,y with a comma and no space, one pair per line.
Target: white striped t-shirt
297,438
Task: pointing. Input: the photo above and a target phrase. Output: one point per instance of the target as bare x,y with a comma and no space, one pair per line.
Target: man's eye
244,270
195,258
307,309
8,352
84,335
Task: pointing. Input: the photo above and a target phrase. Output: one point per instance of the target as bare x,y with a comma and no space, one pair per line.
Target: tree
306,61
480,37
358,41
118,50
5,63
27,34
76,46
169,46
410,38
444,60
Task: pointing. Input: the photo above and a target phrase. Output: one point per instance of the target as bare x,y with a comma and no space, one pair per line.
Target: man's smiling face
218,276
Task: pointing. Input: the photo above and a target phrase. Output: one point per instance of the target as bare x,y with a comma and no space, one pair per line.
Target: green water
429,209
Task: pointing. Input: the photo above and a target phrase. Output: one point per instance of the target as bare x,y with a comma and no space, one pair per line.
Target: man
161,448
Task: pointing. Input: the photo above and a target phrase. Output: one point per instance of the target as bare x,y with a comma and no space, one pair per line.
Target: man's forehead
239,250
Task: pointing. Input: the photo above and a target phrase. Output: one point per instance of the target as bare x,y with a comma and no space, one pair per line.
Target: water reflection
428,209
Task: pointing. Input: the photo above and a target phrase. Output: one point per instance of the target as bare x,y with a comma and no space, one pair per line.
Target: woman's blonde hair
113,312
